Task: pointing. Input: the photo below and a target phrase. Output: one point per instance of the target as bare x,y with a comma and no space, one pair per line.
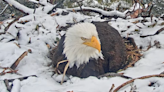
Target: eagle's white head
82,43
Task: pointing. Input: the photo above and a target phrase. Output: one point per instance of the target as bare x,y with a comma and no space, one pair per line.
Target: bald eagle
91,49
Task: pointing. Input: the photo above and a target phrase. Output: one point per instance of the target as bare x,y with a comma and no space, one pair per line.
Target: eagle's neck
78,55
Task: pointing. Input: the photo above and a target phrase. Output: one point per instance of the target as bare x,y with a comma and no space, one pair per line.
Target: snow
20,6
16,86
135,7
42,29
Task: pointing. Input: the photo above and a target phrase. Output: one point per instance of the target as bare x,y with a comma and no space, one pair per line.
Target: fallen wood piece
132,80
18,60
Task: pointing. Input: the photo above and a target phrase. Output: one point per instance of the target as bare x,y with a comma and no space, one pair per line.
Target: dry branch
19,59
132,80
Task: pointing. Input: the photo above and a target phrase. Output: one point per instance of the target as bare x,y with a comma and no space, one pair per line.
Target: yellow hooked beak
93,42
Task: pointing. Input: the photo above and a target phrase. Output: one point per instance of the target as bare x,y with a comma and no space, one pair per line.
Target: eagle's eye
84,39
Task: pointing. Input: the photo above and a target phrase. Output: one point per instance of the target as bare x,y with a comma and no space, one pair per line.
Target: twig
6,28
10,34
17,44
19,59
111,88
4,9
34,8
132,80
11,71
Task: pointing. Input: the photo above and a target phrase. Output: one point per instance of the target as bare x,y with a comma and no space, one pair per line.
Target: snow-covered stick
19,6
19,59
20,78
6,28
132,80
114,14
